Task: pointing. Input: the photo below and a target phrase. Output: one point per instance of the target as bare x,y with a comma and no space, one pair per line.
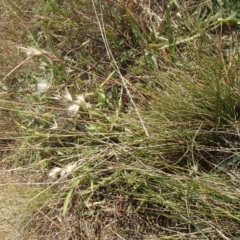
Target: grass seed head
67,96
57,172
54,173
43,86
32,51
80,100
72,109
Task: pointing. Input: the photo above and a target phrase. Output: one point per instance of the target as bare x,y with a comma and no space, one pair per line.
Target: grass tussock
128,112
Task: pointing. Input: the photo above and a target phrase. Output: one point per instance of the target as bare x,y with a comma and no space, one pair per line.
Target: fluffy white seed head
32,51
80,100
67,96
72,109
72,106
57,172
68,169
43,86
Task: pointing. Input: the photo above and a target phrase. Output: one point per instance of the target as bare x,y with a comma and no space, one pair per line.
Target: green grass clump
130,112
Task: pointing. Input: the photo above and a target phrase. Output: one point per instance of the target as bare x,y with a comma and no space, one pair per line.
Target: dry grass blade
115,66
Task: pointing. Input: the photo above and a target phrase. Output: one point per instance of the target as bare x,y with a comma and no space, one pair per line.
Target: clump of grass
151,150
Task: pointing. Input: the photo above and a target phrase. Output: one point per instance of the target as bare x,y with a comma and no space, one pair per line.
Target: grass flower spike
72,106
43,86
